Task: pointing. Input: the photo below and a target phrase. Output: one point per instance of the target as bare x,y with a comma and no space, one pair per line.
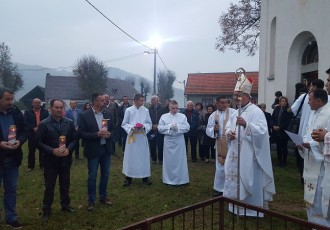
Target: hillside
34,75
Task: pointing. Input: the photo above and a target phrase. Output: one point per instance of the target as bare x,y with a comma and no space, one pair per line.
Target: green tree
10,76
166,79
240,27
92,75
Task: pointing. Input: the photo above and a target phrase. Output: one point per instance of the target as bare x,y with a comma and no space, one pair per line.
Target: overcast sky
56,33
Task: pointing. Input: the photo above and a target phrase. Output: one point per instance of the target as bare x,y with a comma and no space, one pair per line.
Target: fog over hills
34,75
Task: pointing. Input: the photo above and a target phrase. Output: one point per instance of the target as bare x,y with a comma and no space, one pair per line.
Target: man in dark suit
10,153
32,118
156,139
73,114
121,112
95,127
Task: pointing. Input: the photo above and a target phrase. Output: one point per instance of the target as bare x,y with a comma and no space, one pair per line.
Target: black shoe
67,208
45,216
147,182
217,193
90,206
106,202
14,224
127,183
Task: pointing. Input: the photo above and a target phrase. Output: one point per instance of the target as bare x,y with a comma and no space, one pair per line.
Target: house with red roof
206,87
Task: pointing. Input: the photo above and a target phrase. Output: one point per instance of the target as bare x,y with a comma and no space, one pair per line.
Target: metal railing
214,214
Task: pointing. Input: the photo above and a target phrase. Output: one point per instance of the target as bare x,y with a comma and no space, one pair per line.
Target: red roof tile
216,83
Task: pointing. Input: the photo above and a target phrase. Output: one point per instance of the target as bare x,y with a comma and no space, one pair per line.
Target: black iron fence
214,214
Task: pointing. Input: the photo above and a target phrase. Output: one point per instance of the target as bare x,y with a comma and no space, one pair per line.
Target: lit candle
62,142
104,124
12,134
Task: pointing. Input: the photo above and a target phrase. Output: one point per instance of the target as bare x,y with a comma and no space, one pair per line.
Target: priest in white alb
137,124
174,125
216,128
256,180
316,160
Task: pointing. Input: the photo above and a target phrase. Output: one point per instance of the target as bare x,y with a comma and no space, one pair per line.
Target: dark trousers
282,149
76,151
124,137
193,145
156,146
32,146
52,168
300,164
206,151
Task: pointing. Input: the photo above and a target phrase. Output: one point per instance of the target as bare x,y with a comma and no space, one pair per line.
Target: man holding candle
56,137
10,153
95,127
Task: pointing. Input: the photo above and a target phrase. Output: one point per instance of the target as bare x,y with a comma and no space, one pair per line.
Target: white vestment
136,162
316,170
304,113
175,167
256,173
219,177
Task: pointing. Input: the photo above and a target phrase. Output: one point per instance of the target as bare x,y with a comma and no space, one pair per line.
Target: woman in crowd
208,142
281,119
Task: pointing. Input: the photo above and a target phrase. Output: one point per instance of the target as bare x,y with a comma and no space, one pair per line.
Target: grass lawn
136,202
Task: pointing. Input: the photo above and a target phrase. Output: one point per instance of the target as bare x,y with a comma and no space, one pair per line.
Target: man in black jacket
32,118
56,138
10,152
156,139
95,127
121,112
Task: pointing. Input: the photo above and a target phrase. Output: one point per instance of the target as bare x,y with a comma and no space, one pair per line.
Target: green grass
136,202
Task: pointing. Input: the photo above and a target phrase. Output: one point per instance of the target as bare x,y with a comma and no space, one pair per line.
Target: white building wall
296,22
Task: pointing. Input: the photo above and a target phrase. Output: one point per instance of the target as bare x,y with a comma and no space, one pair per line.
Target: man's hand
35,129
318,134
154,127
7,145
231,135
306,145
58,152
216,128
276,128
240,121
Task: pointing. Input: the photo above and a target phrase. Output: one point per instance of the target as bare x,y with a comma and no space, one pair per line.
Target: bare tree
10,76
130,79
145,87
92,75
240,27
165,85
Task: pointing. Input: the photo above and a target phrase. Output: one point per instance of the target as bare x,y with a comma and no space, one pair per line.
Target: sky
56,33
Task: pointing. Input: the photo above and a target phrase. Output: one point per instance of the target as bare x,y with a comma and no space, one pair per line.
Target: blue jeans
9,177
103,160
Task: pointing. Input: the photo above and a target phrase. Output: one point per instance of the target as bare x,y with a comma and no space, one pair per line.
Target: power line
162,61
118,26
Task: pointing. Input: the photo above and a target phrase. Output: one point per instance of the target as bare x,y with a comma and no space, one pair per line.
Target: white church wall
296,22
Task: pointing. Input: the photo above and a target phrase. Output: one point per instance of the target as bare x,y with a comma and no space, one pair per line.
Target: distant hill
34,75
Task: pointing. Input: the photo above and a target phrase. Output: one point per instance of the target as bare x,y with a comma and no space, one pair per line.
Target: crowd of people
236,139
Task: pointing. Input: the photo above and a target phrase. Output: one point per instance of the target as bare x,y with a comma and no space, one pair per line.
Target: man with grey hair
193,120
156,139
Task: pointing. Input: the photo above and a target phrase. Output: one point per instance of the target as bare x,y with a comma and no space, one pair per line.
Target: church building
294,45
